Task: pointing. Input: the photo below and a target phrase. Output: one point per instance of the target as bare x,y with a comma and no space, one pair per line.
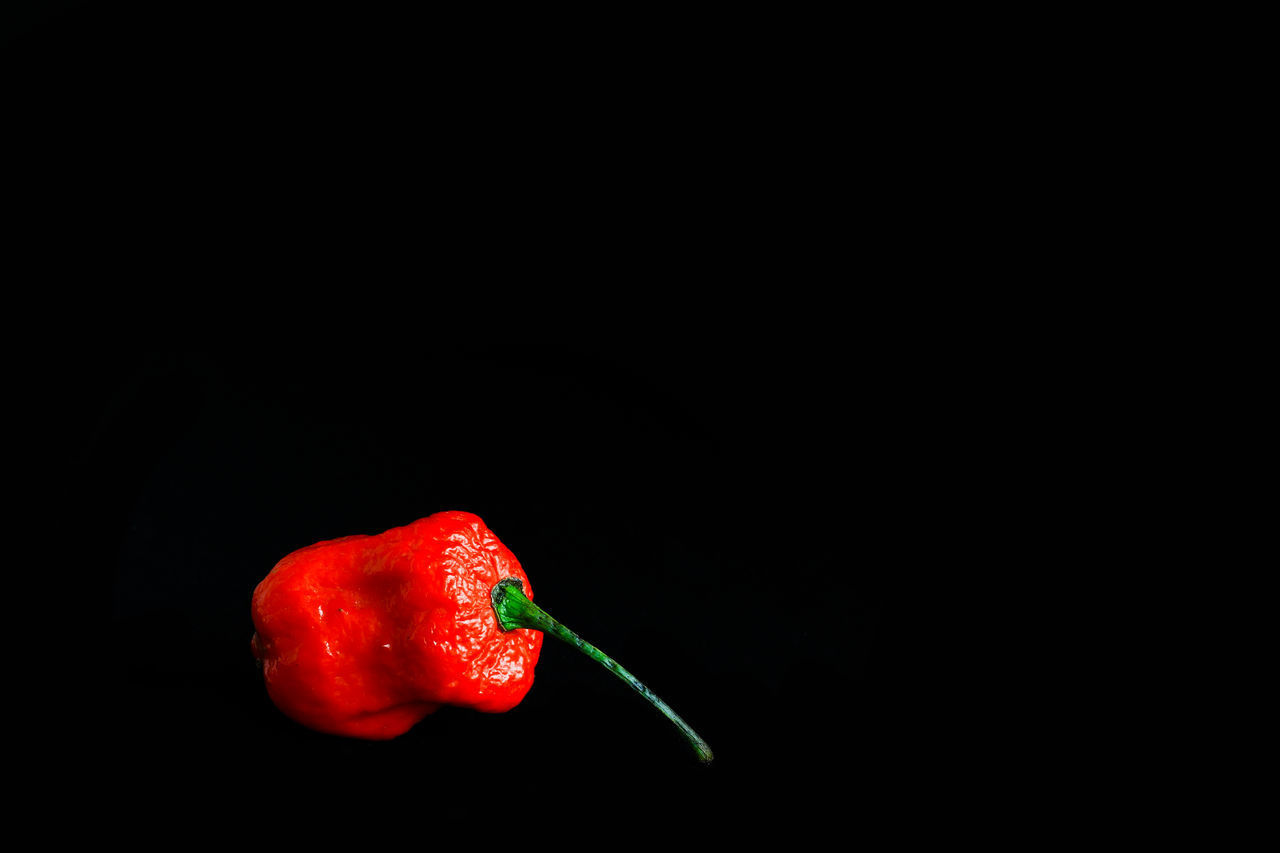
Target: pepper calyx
506,596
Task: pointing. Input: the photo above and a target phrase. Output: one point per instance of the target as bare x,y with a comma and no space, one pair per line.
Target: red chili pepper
364,636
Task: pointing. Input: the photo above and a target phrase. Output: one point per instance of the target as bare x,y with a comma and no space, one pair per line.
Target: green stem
515,610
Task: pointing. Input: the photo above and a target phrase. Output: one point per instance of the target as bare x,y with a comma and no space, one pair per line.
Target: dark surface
710,548
707,461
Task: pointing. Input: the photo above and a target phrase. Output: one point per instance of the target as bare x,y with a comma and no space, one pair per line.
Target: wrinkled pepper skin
364,636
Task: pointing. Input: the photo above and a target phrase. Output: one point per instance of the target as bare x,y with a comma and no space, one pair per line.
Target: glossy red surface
364,636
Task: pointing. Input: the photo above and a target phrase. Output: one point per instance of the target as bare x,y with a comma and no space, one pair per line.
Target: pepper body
364,636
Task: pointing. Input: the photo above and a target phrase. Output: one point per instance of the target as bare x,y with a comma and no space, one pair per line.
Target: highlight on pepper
364,636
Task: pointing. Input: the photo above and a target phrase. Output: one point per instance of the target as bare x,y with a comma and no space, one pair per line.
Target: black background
320,298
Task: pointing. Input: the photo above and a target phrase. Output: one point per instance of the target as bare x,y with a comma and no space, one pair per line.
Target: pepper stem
515,610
